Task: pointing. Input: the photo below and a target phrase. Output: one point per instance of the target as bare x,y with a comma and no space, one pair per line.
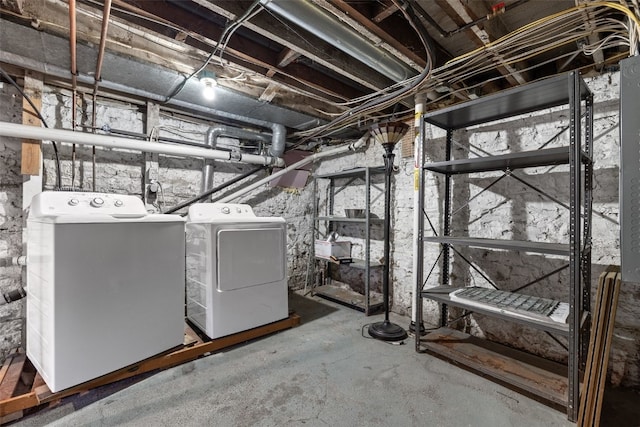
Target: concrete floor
321,373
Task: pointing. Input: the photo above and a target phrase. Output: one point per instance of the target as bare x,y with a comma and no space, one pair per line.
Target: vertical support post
586,254
418,218
575,294
31,165
32,150
315,225
444,314
151,166
367,242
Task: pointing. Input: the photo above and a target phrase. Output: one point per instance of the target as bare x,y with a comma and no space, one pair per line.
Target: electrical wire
528,42
385,100
224,39
44,122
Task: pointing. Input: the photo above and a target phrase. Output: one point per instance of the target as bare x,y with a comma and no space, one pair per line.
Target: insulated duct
315,20
32,132
277,138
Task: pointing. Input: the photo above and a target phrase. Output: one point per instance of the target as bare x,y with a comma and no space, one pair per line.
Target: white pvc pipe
39,133
417,213
312,158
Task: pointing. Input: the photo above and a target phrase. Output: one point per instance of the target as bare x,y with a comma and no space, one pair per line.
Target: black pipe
12,296
214,190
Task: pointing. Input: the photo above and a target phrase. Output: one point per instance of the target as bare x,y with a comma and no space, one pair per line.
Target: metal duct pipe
323,25
277,138
312,158
55,71
32,132
211,140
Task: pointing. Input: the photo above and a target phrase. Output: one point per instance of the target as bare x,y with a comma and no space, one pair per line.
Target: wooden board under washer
11,406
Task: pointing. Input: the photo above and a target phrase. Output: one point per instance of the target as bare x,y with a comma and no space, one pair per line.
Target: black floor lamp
387,134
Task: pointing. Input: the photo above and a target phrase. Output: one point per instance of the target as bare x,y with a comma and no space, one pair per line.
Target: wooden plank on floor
599,347
586,397
41,394
190,336
5,367
44,395
12,376
38,381
525,371
612,309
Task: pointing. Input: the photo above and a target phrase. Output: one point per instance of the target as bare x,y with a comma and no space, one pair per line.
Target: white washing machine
105,285
236,268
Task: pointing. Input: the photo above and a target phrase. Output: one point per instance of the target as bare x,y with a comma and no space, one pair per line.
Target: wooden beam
269,93
385,12
287,56
32,149
461,15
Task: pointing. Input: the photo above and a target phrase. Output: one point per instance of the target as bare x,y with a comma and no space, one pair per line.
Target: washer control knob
118,203
97,202
238,210
74,202
225,210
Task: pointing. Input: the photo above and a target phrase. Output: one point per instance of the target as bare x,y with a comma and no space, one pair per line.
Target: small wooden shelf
355,263
522,370
350,298
345,219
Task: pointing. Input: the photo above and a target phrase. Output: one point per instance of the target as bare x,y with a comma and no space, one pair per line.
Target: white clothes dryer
236,268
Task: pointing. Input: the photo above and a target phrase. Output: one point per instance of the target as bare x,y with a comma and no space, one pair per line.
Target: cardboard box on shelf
336,249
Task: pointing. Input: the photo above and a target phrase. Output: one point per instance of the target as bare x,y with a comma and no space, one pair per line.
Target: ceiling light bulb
209,91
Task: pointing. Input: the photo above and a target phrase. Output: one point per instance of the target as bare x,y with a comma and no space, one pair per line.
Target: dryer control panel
57,203
211,211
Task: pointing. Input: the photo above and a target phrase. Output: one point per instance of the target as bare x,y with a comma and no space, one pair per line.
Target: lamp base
387,331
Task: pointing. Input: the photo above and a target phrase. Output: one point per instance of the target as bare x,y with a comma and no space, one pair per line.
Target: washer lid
82,207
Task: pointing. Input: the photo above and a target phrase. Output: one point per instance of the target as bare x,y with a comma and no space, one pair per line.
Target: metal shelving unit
568,90
367,302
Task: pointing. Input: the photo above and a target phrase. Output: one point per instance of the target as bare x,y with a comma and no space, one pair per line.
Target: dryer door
250,257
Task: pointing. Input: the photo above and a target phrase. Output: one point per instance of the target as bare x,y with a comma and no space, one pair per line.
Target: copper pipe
72,42
74,82
98,76
103,42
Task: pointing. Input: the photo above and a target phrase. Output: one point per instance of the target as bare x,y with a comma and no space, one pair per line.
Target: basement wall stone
11,222
508,210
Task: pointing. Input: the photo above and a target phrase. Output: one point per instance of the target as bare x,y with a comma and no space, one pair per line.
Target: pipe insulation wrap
32,132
